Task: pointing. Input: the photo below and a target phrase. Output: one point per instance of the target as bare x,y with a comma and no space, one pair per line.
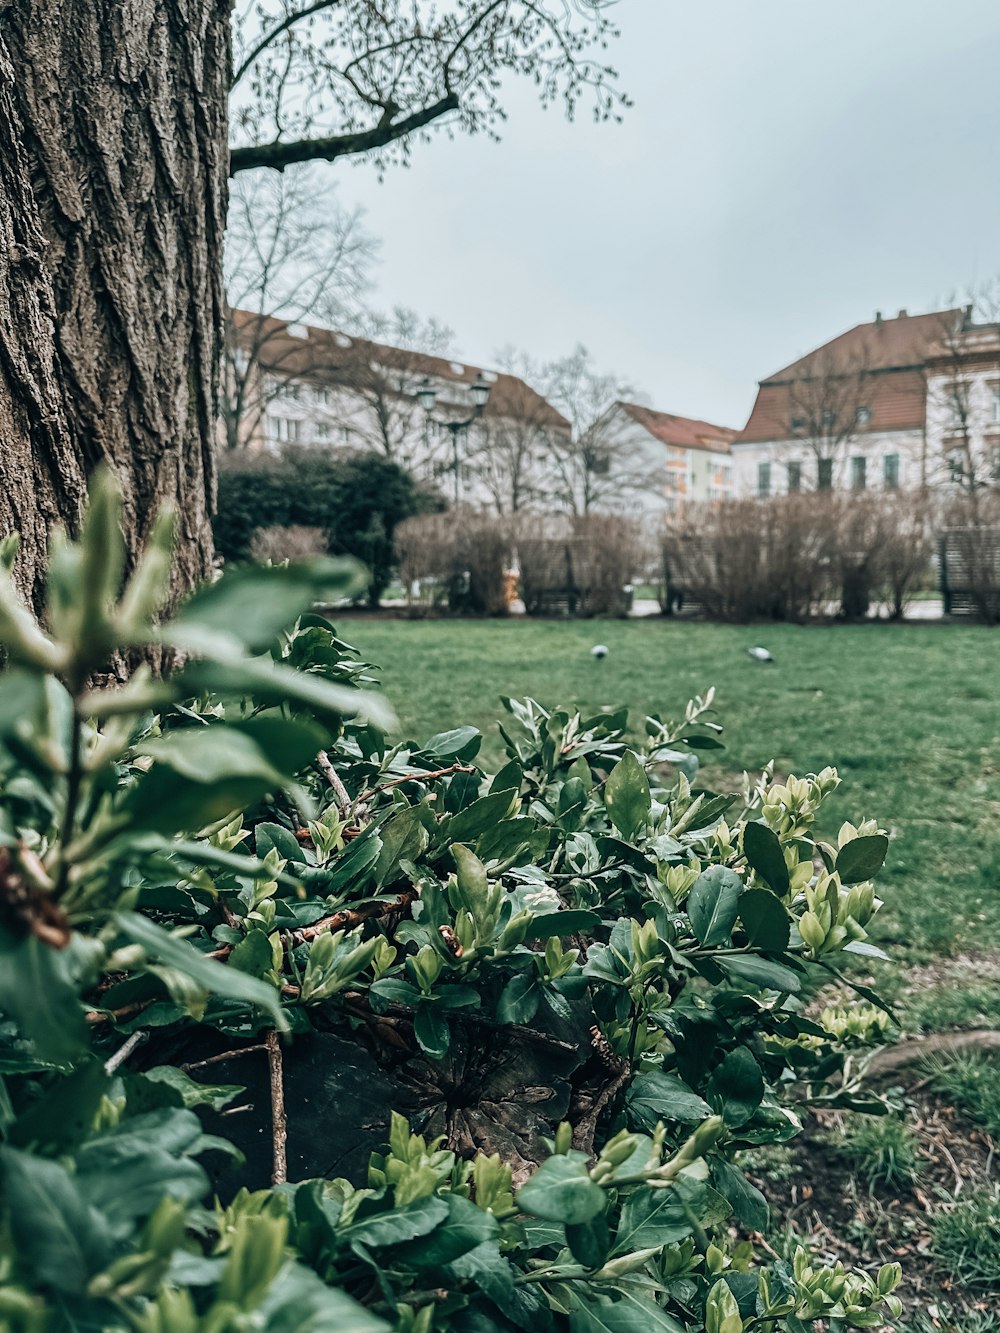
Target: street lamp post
427,397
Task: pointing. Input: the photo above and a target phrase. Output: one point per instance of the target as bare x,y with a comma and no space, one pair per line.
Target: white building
854,413
963,406
681,459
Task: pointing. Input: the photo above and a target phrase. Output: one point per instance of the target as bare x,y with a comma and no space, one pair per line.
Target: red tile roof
680,432
890,355
328,355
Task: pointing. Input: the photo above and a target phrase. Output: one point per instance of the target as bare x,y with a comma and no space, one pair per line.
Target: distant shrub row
305,502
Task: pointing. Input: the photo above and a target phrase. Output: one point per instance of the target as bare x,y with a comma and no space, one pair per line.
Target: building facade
857,413
680,460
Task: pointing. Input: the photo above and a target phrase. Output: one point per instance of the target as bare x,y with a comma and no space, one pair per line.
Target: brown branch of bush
339,790
416,777
279,1120
223,1055
345,919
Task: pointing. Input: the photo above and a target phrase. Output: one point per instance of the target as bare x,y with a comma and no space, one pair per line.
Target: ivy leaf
393,991
862,858
588,1241
561,1190
626,795
631,1313
480,816
763,851
713,904
737,1086
657,1096
765,920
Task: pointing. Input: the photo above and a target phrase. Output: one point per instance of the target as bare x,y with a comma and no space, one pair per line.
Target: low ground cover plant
490,1047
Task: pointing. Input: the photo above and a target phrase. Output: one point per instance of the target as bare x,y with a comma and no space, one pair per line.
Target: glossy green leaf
763,851
862,858
58,1237
215,977
762,972
657,1096
561,1191
626,795
713,905
765,920
737,1086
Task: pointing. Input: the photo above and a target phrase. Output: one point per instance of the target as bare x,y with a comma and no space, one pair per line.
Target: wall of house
970,426
907,446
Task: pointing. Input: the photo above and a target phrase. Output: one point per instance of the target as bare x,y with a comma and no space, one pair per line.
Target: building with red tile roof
853,412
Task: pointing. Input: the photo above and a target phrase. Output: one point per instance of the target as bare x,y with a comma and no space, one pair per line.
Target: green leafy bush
581,976
356,499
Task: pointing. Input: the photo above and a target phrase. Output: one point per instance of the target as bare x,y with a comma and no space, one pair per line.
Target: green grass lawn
909,714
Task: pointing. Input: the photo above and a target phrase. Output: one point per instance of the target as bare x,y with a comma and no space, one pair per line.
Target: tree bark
113,186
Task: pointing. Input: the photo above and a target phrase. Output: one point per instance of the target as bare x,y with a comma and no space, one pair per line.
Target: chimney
878,316
901,315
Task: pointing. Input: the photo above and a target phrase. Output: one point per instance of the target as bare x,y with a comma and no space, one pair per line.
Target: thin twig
222,1055
125,1050
112,1015
279,1120
345,919
416,777
340,791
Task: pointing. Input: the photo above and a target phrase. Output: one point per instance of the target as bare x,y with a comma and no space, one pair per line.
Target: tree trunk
113,186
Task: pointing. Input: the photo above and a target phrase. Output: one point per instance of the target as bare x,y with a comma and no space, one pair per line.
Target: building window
890,471
859,473
322,430
863,416
995,462
995,414
290,390
287,430
829,418
798,423
957,409
763,479
794,476
824,474
956,468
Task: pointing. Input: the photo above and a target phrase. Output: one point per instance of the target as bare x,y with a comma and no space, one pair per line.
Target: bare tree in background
379,376
512,455
827,402
292,256
594,466
968,349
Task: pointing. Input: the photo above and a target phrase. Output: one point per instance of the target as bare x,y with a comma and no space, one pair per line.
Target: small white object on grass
599,651
759,655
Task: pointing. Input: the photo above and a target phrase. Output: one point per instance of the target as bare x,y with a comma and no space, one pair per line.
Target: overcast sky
789,167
